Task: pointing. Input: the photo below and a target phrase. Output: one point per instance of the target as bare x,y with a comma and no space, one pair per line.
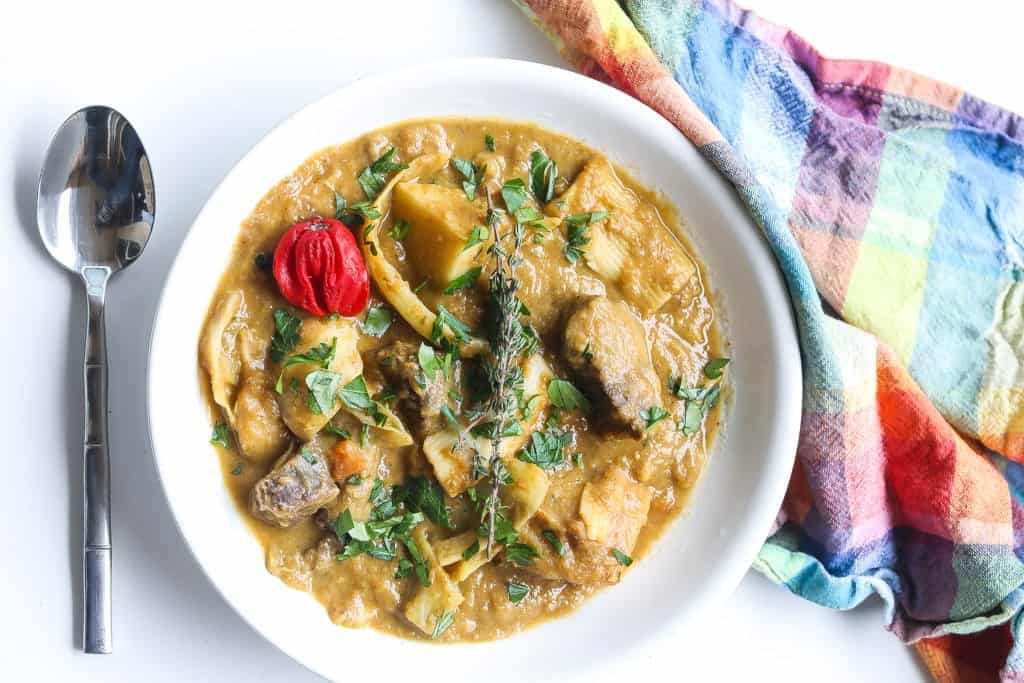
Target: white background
202,82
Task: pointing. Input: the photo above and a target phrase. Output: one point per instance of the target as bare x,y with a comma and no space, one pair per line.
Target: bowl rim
771,490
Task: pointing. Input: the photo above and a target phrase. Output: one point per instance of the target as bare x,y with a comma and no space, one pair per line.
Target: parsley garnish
442,624
321,355
323,387
459,329
378,320
543,172
428,361
400,230
489,141
521,553
514,194
464,281
364,436
307,456
470,176
473,549
479,234
221,435
237,469
546,448
517,591
622,558
576,232
419,494
565,396
699,400
556,543
286,334
713,368
356,396
373,177
654,415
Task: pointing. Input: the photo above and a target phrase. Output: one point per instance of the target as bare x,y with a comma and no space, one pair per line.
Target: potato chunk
442,220
614,509
633,234
294,402
218,354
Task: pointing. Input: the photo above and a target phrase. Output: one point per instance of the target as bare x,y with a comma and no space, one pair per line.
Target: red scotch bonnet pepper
319,268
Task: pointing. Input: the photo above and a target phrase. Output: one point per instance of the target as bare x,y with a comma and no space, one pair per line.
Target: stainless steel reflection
95,212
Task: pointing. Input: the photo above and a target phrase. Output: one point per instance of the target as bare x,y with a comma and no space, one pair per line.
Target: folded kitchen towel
895,207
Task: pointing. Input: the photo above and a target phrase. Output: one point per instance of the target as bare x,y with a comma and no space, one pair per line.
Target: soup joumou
462,373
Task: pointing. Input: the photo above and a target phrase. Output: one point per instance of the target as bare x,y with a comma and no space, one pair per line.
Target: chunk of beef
420,398
606,346
293,490
584,562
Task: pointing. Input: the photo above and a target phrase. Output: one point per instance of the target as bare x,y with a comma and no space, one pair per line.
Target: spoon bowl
95,210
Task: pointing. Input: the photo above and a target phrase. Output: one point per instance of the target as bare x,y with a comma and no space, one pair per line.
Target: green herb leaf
711,400
374,176
419,494
479,234
442,624
337,431
713,368
339,205
543,173
428,361
546,449
578,459
654,415
489,141
364,436
565,396
403,569
356,396
470,176
622,558
472,550
237,469
459,329
521,553
221,435
513,192
556,543
449,417
692,418
576,232
323,387
464,281
321,355
400,230
307,456
286,334
378,320
517,591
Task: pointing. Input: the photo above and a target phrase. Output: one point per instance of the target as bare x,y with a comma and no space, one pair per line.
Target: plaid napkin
895,207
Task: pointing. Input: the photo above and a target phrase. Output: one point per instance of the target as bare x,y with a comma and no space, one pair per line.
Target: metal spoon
95,213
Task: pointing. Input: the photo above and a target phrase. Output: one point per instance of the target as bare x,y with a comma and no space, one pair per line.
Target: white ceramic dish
696,564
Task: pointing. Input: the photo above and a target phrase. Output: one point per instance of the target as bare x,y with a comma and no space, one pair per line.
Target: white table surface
202,83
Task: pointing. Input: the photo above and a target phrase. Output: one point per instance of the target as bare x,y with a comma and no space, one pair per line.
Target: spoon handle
96,551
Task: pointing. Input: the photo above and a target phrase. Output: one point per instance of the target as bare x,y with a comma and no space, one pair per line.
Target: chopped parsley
464,281
442,624
373,177
356,396
543,172
513,192
576,233
428,361
565,396
364,436
378,320
471,176
221,435
321,355
546,448
489,141
654,415
286,334
449,417
337,431
556,543
419,494
237,469
459,329
517,591
521,553
479,234
400,230
323,388
307,456
622,558
713,368
473,549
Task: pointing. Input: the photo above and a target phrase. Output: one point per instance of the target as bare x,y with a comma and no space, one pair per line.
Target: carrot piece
346,459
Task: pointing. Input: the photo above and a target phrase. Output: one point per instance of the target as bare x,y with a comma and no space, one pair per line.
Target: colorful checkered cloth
895,207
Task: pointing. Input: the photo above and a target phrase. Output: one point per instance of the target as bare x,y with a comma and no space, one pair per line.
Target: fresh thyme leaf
713,368
442,624
513,192
654,415
565,396
543,173
221,435
373,177
489,141
378,320
622,558
479,234
521,553
356,396
323,387
264,262
556,543
419,494
517,591
364,436
286,334
464,281
470,176
459,329
400,230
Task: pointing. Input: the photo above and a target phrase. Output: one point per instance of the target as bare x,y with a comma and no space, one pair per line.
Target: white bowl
696,563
